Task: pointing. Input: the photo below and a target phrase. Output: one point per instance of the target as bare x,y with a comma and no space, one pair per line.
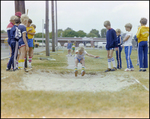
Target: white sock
113,61
109,63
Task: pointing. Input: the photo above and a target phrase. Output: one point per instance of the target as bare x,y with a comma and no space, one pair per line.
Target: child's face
117,33
68,41
28,24
80,52
127,29
107,27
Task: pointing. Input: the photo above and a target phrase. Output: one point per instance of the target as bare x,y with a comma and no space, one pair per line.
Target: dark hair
17,20
29,21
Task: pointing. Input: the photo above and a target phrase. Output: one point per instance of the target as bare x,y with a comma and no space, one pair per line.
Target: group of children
20,39
116,43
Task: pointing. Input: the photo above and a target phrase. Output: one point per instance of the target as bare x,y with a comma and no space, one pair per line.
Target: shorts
21,44
79,59
69,48
110,49
30,43
73,48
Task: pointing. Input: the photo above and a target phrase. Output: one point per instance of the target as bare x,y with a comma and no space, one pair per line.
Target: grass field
129,102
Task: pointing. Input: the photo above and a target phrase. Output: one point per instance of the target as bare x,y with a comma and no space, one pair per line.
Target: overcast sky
82,15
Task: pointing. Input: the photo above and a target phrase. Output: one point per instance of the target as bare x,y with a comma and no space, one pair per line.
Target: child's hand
27,48
30,29
96,57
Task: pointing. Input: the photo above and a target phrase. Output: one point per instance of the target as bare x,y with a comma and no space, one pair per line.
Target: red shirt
9,26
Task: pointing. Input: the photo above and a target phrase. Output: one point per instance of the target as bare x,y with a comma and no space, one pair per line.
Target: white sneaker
127,69
132,69
30,66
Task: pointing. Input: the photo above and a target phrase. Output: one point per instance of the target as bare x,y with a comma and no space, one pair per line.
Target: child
31,33
128,47
142,35
34,26
69,46
111,38
73,47
9,26
23,44
79,58
118,51
14,45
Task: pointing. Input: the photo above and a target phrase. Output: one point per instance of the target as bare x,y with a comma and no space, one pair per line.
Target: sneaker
141,70
7,69
132,69
108,70
82,73
76,73
137,64
144,70
127,69
30,66
115,68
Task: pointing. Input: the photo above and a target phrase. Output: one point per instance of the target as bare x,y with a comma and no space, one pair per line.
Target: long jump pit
49,81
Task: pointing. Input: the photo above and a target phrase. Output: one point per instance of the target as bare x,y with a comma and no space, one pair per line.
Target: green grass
132,101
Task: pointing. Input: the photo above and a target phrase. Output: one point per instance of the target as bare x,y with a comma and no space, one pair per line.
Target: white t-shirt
129,41
80,56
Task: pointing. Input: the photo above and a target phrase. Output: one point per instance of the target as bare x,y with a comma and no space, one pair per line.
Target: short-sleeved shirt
80,56
22,30
69,45
32,31
12,33
129,41
73,45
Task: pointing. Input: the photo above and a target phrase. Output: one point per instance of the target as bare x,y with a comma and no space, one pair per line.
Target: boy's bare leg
83,66
30,56
21,58
76,65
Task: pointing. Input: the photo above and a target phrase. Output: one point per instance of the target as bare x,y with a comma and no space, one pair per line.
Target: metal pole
42,31
47,28
53,29
56,25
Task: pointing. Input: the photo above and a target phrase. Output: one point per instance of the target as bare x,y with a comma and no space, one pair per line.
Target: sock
113,61
16,64
75,68
109,63
25,59
30,59
82,68
19,63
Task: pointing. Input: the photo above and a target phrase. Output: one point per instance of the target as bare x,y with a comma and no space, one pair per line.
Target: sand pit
68,82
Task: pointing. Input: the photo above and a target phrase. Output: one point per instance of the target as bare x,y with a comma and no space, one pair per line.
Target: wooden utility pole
47,28
20,6
56,24
53,29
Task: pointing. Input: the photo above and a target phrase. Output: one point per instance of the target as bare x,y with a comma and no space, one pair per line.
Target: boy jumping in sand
79,58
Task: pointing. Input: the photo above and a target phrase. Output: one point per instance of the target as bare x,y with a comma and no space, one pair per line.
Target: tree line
69,32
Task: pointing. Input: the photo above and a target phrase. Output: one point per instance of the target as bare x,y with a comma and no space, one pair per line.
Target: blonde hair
81,49
107,23
118,30
143,21
24,17
13,17
128,25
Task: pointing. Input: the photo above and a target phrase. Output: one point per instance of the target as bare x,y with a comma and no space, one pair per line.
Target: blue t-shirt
22,30
111,38
12,34
69,45
118,40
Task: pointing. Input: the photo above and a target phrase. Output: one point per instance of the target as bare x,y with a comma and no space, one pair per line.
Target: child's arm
92,55
138,33
31,33
126,38
25,41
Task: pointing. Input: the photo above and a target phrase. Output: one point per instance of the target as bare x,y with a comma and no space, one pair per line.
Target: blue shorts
109,48
30,43
21,44
79,59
